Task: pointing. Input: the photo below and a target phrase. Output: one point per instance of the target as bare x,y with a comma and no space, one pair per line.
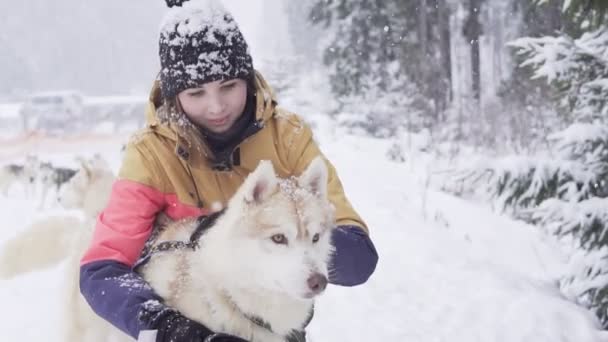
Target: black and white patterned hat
200,42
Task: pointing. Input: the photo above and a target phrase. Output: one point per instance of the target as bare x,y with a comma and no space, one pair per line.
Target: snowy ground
449,270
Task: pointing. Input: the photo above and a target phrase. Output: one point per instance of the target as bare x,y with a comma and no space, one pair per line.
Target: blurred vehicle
52,112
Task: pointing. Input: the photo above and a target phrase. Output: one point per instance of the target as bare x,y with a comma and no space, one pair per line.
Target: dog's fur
238,271
89,189
48,241
42,244
53,178
25,174
266,256
79,322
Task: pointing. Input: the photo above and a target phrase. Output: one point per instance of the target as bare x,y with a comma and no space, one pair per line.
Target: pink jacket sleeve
126,223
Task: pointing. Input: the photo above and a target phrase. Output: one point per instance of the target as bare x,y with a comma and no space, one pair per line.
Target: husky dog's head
45,173
276,232
31,168
88,189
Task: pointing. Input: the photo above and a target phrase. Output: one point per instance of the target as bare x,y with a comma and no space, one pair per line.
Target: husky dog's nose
317,283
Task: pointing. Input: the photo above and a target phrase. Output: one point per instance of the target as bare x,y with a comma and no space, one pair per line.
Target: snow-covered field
449,270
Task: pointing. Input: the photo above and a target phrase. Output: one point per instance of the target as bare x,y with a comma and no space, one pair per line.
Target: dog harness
203,223
296,335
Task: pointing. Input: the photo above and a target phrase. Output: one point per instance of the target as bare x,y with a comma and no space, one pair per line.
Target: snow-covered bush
567,194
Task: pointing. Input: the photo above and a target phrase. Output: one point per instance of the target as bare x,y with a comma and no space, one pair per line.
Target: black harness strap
296,335
203,223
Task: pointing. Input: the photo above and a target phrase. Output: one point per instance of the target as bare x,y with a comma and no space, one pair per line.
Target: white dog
25,175
89,189
48,241
56,178
255,270
252,270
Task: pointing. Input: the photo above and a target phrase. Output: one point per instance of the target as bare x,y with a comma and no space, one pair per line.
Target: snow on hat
200,42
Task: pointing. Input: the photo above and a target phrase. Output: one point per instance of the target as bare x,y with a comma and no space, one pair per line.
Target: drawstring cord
199,203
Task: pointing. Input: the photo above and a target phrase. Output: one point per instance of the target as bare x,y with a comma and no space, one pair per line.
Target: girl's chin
217,127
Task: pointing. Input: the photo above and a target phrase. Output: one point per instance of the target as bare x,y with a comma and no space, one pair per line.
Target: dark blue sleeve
116,293
355,256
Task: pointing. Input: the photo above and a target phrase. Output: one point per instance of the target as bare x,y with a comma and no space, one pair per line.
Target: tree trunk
443,14
472,31
423,27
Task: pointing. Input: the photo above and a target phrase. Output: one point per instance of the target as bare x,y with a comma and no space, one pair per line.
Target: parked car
52,112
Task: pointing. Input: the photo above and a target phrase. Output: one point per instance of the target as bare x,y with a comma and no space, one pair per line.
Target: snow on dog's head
279,232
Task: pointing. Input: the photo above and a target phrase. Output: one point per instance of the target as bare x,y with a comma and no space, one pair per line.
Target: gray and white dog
53,177
24,174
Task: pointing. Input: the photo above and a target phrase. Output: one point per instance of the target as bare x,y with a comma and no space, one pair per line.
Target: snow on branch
578,68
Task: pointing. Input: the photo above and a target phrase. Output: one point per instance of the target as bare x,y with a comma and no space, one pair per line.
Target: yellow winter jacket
173,160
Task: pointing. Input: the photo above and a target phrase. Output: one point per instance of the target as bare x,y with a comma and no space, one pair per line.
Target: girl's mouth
219,122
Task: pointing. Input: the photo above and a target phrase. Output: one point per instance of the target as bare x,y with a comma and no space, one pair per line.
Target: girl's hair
171,110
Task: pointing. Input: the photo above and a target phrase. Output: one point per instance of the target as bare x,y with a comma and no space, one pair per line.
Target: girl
211,119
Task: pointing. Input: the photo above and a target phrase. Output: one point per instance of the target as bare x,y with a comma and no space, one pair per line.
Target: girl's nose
215,105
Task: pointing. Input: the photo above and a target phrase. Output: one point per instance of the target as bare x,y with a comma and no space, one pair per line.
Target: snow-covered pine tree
530,104
578,68
584,223
582,14
568,194
361,41
384,61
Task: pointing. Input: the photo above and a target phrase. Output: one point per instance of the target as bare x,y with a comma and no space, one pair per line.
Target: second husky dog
25,174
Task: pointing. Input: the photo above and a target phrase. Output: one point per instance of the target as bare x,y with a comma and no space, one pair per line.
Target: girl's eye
279,239
315,238
196,93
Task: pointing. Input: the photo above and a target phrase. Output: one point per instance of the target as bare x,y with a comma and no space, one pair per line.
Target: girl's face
215,105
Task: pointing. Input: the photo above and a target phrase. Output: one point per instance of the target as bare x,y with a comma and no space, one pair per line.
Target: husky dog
91,171
52,177
25,174
58,175
48,241
89,189
254,269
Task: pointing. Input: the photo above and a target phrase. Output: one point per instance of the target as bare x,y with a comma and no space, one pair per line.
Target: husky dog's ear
314,178
84,165
261,183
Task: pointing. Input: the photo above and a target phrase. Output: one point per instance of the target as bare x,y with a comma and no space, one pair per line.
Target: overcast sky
106,47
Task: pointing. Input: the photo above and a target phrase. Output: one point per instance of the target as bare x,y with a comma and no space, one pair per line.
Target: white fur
47,242
80,323
89,189
238,265
44,243
237,262
26,179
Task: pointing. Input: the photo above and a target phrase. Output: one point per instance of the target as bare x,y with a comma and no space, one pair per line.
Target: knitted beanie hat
200,42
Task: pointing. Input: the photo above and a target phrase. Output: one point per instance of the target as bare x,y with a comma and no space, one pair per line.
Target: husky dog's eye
315,238
279,239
